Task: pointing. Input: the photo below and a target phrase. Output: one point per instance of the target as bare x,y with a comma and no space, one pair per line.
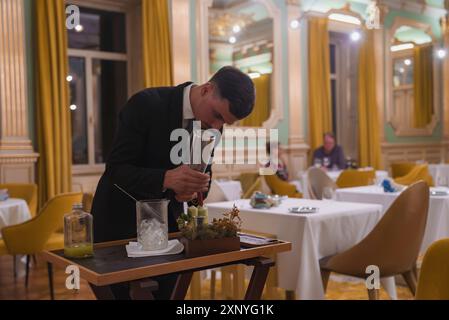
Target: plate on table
303,210
249,240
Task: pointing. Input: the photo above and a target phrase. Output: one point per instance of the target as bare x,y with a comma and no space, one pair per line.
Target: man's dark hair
236,87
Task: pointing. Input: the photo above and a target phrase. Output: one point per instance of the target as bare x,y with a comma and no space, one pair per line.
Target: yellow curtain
423,85
157,59
53,114
320,113
262,107
369,126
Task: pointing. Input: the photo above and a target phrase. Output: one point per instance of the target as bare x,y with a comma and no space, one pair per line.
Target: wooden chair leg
325,274
27,270
410,279
34,260
213,279
195,286
290,295
50,280
14,265
373,294
226,282
239,282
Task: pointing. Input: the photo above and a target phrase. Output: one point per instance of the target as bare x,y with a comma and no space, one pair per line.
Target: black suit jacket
138,161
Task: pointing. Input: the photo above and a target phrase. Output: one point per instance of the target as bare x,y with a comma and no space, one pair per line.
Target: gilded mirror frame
400,128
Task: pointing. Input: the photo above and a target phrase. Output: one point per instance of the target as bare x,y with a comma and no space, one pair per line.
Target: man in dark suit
140,158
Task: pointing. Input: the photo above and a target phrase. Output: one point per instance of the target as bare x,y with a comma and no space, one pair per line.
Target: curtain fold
423,85
262,107
369,126
157,57
320,112
52,100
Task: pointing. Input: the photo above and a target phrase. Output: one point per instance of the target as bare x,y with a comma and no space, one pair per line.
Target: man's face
329,144
212,111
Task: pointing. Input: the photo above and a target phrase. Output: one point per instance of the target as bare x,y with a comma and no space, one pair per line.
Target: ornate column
17,157
445,73
181,41
297,148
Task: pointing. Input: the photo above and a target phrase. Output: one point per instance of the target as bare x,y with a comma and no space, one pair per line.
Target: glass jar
78,236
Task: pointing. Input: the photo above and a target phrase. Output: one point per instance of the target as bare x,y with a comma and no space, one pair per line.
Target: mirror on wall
413,79
241,35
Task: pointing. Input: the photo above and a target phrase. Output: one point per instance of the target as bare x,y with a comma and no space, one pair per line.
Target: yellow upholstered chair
356,178
419,172
433,281
40,233
247,180
400,169
281,187
25,191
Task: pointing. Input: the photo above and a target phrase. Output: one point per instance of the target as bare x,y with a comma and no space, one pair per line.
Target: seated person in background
330,155
282,171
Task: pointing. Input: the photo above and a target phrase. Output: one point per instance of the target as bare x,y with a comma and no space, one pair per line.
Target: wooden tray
196,248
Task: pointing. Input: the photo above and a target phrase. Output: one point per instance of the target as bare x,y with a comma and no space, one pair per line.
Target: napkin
134,250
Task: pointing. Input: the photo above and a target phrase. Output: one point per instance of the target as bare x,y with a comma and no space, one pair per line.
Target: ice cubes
152,235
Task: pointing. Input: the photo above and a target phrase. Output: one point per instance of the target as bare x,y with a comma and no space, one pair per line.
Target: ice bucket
152,224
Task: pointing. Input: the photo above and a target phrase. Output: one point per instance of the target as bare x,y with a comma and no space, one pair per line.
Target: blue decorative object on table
260,200
386,184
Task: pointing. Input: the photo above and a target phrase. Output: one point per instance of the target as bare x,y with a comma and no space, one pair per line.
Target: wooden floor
11,289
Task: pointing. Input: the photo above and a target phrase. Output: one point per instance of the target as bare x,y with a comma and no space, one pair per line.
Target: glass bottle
78,237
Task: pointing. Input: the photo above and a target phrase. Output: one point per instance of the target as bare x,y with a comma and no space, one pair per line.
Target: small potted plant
201,238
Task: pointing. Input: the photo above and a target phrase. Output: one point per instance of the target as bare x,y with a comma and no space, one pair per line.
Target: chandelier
224,25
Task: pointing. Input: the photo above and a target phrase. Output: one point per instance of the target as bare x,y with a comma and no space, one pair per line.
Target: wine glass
328,194
326,162
317,163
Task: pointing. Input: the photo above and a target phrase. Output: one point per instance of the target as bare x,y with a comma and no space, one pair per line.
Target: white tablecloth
336,227
440,174
438,217
13,211
380,174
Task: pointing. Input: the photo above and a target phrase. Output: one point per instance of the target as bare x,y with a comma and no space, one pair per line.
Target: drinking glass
152,224
317,163
326,162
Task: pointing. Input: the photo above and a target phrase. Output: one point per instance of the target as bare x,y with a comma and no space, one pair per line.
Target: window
98,77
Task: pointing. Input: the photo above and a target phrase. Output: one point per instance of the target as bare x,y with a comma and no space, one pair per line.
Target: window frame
131,10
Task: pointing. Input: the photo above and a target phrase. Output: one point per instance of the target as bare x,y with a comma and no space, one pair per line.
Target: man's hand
185,197
185,181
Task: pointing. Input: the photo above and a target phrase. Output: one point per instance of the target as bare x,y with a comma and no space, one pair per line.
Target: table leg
103,292
182,285
258,278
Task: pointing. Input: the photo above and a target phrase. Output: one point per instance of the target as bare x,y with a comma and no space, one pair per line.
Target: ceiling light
232,40
73,107
254,75
441,53
356,36
69,78
403,46
79,28
345,18
408,62
294,24
236,28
